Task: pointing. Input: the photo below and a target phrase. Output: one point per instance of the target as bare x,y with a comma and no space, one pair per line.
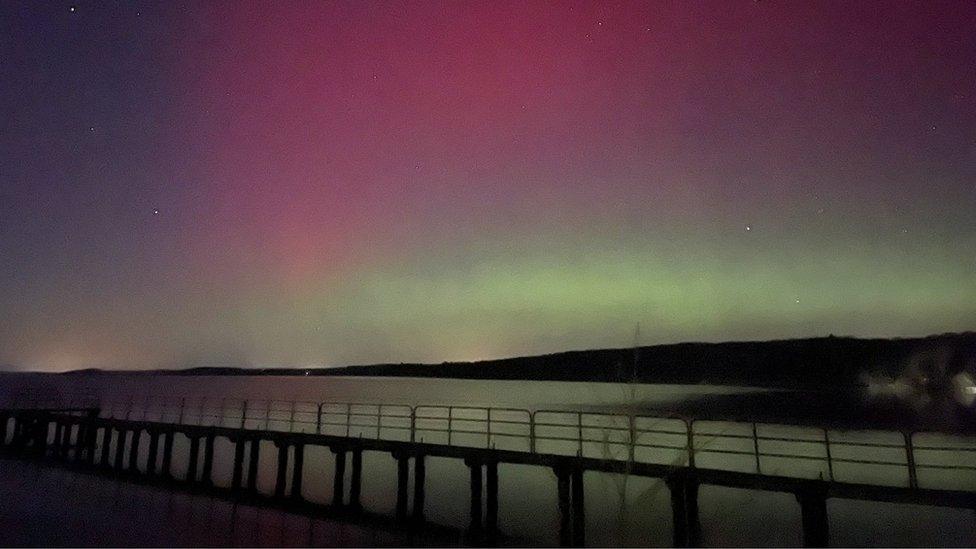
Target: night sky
294,184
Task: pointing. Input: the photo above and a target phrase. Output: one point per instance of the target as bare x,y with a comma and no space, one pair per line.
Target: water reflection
49,506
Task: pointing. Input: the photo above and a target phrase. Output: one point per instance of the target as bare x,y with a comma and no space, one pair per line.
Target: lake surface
620,510
531,395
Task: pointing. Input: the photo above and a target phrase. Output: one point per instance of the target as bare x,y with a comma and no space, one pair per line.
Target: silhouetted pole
191,466
491,513
167,471
339,484
282,477
252,467
206,477
58,435
153,453
91,437
579,514
679,511
65,441
565,513
238,464
691,507
474,526
297,472
134,451
355,484
403,470
120,449
813,507
106,443
419,481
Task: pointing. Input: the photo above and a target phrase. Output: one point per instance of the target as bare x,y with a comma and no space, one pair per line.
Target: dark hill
815,363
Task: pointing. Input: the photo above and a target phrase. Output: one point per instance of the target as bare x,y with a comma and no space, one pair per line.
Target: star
155,211
748,227
797,300
72,9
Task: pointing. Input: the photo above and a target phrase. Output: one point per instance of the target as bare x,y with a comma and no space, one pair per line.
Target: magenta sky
330,183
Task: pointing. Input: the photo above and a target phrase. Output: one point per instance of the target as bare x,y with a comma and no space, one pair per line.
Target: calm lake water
620,510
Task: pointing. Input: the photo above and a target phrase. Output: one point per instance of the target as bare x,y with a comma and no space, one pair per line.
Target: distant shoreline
805,364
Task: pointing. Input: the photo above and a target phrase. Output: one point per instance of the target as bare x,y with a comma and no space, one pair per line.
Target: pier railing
910,459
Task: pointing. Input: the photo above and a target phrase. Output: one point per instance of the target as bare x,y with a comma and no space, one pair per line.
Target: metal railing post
450,423
318,419
830,461
243,415
291,419
532,432
182,405
379,420
910,461
413,424
579,433
755,446
632,424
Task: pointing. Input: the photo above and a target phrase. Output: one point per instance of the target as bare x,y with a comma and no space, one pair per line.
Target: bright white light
965,388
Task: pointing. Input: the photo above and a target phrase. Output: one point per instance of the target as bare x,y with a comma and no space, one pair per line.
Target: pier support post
569,484
106,443
339,484
206,477
40,434
419,481
167,471
282,477
235,484
16,438
403,471
491,502
91,442
579,514
120,450
81,439
65,441
565,513
91,439
191,466
297,472
252,466
679,511
3,429
153,452
356,482
474,525
58,435
134,452
813,508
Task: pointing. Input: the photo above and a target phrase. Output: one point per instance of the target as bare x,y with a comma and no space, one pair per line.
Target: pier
814,465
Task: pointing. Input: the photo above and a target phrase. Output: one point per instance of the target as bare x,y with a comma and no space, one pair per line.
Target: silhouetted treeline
815,363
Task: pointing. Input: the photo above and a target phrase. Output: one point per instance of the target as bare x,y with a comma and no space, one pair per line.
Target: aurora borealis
292,184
